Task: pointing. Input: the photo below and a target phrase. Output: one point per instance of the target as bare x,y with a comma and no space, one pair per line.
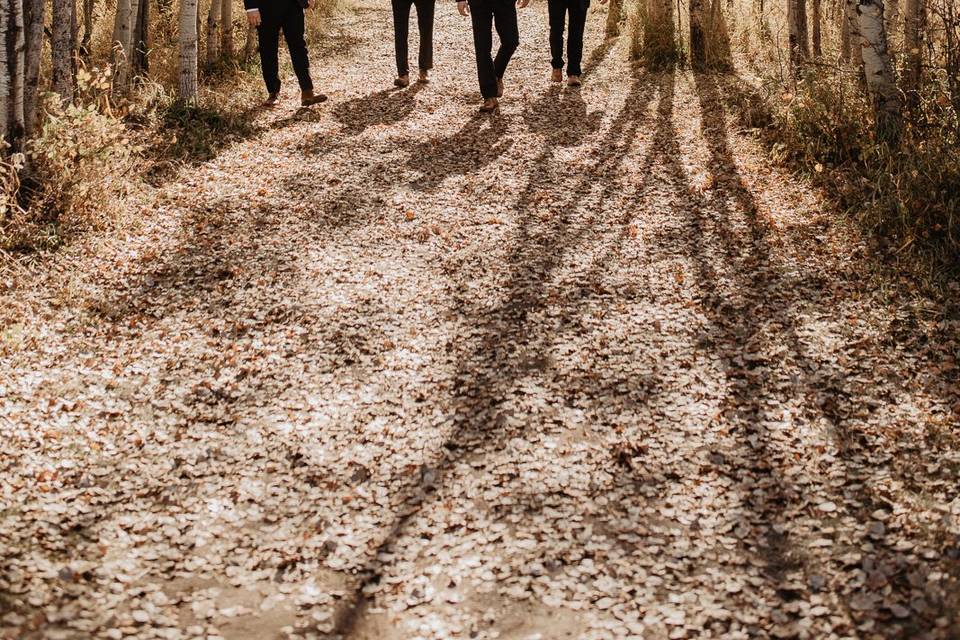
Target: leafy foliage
76,167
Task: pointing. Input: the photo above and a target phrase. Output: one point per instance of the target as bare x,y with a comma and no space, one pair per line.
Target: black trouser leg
401,34
268,37
578,20
293,28
505,19
481,14
425,11
557,9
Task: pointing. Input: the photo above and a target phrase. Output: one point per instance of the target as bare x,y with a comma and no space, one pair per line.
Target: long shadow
198,135
202,133
761,314
478,143
503,348
561,116
385,107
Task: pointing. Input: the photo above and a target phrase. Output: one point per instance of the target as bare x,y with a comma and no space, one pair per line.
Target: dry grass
88,155
821,121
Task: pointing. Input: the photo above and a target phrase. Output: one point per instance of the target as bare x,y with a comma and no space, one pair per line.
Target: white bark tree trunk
213,33
188,50
131,32
878,67
122,28
62,48
12,63
226,34
33,11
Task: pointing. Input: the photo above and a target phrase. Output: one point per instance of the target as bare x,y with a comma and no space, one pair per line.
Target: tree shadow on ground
501,344
193,135
478,143
751,303
755,304
386,107
561,116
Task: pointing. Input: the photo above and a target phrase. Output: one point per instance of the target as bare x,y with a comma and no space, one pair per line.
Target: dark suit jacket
265,5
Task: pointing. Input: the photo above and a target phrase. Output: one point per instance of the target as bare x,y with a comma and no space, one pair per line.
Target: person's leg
557,10
578,20
268,37
293,33
401,34
481,15
425,13
505,18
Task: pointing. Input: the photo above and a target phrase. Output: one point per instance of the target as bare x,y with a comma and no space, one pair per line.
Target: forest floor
389,369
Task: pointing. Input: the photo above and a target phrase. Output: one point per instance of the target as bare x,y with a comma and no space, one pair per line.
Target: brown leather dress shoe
402,81
490,105
573,81
309,98
272,100
557,75
424,76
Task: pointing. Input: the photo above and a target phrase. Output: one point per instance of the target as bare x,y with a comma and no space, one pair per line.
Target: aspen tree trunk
891,16
213,33
199,29
62,49
698,44
121,49
226,33
141,39
12,63
188,50
131,33
878,68
6,73
614,15
913,21
797,24
87,29
816,34
250,46
33,11
844,33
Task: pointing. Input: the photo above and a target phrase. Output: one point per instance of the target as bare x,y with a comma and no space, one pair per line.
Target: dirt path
589,369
